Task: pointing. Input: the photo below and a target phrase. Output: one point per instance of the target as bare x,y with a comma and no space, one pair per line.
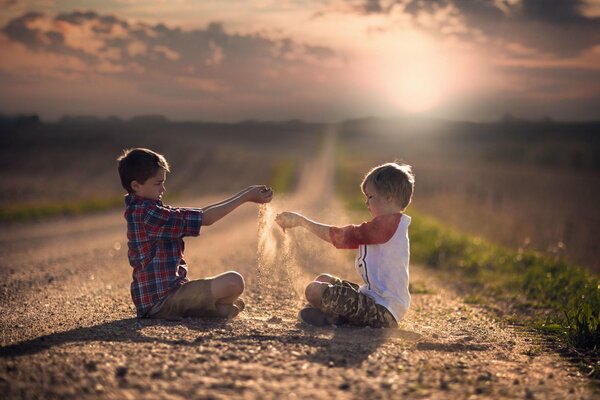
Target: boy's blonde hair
393,179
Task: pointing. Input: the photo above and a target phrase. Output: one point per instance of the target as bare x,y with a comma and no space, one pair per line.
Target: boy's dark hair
139,165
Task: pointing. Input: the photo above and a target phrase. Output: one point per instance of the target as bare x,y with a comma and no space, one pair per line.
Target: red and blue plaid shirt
154,233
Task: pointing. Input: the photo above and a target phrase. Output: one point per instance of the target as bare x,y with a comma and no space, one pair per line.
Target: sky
315,60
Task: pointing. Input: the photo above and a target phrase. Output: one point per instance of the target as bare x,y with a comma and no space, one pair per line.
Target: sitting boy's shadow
350,346
125,330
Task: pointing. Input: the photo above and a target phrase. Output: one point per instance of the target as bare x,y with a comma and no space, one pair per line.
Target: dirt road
68,327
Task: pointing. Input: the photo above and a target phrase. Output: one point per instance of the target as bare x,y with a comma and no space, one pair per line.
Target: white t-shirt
382,258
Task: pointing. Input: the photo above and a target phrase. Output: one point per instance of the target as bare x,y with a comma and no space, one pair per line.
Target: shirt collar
132,198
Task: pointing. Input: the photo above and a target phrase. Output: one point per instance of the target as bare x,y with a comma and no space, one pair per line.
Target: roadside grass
283,179
568,295
416,288
28,212
564,298
284,176
35,211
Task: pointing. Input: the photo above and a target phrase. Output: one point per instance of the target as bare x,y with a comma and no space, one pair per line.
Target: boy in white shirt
382,259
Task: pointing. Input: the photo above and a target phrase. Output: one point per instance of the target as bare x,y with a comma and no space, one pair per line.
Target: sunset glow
413,73
281,60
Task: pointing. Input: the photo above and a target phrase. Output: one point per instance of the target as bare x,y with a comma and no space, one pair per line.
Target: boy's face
377,203
153,188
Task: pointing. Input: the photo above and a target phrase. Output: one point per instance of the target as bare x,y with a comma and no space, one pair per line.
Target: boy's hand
288,220
259,194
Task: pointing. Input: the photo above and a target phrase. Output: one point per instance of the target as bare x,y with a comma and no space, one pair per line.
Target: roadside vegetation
283,179
69,167
284,176
28,212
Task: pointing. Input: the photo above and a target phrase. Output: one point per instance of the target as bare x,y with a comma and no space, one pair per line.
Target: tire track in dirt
68,328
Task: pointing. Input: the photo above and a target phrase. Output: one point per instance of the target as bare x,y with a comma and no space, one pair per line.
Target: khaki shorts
192,299
342,298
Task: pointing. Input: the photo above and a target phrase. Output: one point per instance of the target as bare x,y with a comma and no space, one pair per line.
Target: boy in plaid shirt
160,287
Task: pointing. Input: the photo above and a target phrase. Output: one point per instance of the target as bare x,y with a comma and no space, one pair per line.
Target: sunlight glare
412,76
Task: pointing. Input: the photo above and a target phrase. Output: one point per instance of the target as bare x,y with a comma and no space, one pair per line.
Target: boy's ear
135,185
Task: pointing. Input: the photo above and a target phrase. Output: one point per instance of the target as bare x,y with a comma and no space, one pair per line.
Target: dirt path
68,328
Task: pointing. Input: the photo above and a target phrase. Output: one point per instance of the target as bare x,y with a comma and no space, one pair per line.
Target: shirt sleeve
377,231
173,223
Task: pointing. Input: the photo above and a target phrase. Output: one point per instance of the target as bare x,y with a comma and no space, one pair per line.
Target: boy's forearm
215,212
256,194
316,228
222,202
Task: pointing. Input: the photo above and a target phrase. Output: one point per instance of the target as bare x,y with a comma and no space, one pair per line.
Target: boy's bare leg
326,278
226,289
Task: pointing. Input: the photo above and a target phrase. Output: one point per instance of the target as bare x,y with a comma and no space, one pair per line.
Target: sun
414,87
413,75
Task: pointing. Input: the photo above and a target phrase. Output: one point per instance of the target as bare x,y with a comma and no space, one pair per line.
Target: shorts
342,298
192,299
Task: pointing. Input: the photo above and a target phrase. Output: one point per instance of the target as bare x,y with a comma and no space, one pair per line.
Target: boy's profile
160,287
382,259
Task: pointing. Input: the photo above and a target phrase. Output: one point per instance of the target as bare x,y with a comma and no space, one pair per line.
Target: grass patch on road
284,176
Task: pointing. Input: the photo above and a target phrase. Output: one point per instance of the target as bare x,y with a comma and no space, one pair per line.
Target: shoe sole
315,317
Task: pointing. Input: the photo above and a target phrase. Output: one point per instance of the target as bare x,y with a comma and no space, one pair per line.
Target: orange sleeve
377,231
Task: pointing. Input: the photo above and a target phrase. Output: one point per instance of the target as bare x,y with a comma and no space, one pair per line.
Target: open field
68,326
75,160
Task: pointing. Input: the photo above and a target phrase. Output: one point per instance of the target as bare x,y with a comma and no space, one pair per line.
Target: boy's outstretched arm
256,194
288,220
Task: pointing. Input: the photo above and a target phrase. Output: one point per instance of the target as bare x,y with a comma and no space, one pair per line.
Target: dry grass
57,168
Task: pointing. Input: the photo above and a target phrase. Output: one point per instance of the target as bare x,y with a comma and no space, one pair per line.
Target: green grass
35,211
28,212
420,289
570,294
473,299
284,176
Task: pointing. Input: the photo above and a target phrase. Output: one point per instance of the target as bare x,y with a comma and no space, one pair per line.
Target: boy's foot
239,303
228,311
315,317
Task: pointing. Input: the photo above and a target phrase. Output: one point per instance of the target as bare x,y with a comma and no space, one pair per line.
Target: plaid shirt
154,233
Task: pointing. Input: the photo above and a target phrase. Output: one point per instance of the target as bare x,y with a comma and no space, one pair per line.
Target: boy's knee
235,282
314,293
326,278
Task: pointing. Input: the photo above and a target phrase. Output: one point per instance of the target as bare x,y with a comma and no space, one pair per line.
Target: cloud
19,29
559,27
261,63
8,3
204,61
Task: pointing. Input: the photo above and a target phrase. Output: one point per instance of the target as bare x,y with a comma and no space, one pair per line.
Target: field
75,160
68,326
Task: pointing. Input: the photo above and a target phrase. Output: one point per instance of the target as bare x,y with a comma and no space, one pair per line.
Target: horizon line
505,118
